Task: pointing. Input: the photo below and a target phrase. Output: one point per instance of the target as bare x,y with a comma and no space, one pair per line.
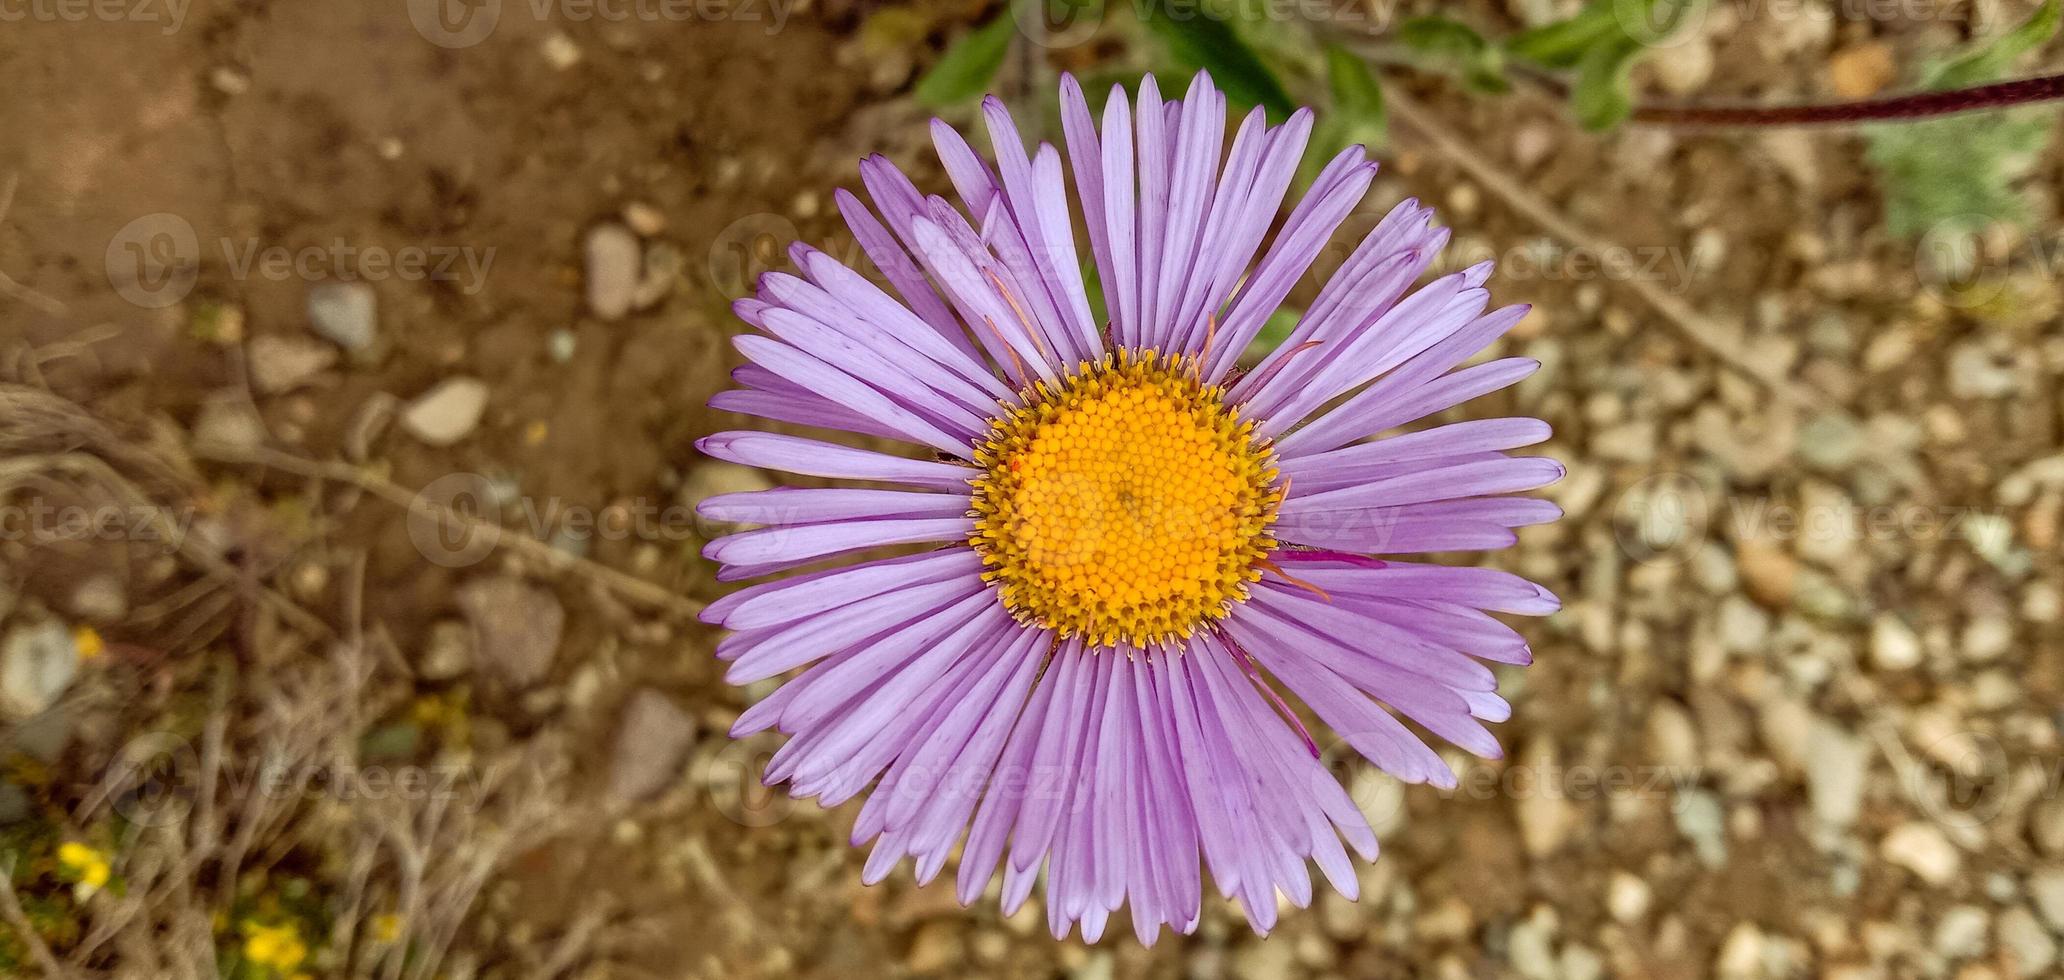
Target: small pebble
345,314
447,413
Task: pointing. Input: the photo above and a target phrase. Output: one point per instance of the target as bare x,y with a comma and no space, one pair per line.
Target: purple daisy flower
1130,544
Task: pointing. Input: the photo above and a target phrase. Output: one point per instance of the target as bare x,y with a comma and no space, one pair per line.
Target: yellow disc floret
1128,504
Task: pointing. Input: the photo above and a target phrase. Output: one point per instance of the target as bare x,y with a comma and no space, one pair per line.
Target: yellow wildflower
278,946
386,927
88,866
86,640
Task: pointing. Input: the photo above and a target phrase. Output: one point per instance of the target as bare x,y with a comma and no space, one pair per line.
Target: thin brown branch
1917,105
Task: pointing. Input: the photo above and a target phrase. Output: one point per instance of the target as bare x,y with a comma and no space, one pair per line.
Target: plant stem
1998,95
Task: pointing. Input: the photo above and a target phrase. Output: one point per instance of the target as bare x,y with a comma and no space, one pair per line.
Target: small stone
447,413
1630,442
2046,824
1744,628
1448,921
1531,144
1894,645
662,270
2023,938
615,263
1770,575
229,81
1545,818
1530,946
227,418
280,364
1861,70
448,652
1627,898
1741,954
345,314
650,746
644,219
37,663
1682,66
1960,933
1837,768
561,345
1975,374
560,51
1581,963
1785,724
1831,441
936,947
2046,886
100,599
991,946
1987,638
1923,850
1703,823
1673,738
516,627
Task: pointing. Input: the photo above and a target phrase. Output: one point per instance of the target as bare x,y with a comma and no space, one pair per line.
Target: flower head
278,946
86,865
1124,545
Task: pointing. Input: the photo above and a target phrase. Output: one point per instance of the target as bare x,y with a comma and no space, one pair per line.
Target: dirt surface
1752,745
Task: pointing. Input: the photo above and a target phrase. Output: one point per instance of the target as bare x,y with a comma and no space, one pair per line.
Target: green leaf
1275,331
1450,46
1357,98
1955,175
1565,43
1604,94
1987,61
970,64
1201,38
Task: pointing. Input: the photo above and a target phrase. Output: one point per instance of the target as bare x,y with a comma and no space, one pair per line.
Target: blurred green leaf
1275,331
1200,38
1564,43
969,64
1604,94
1954,175
1989,60
1448,45
1357,98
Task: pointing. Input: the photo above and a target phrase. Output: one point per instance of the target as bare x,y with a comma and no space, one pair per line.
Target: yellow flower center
1128,504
